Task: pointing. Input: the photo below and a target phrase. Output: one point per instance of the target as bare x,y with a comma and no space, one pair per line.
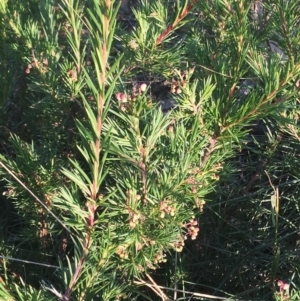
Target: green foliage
124,129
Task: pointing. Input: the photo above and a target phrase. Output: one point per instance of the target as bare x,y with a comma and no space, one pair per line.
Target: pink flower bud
280,283
118,96
121,97
286,286
143,87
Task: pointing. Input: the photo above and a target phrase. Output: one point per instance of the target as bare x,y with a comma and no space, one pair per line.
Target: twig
172,27
212,143
30,262
155,287
35,197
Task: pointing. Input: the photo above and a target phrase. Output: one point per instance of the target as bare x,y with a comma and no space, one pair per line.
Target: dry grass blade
158,290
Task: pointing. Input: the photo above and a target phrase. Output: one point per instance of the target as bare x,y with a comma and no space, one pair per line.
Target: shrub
120,126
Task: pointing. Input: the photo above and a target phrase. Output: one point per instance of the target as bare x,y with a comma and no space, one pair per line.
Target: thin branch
269,97
35,197
212,143
157,289
91,204
30,262
154,287
176,22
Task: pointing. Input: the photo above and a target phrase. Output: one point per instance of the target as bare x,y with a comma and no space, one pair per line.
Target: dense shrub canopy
149,149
